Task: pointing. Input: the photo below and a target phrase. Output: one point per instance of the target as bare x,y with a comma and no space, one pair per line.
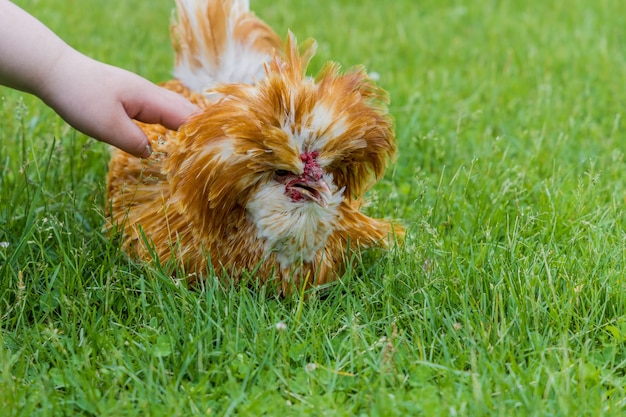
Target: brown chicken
269,177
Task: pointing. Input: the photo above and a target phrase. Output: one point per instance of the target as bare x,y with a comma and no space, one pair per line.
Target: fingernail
148,151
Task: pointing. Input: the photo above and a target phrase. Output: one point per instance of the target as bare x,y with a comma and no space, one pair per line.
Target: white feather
239,62
295,231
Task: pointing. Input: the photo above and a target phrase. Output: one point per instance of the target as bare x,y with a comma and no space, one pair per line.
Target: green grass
507,298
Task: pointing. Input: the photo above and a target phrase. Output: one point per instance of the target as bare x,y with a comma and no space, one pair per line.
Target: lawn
508,296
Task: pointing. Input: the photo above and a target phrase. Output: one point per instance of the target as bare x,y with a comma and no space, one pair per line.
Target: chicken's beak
316,191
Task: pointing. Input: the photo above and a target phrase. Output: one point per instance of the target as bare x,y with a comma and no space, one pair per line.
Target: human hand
101,100
97,99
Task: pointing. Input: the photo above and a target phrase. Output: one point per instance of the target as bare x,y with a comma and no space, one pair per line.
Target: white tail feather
220,41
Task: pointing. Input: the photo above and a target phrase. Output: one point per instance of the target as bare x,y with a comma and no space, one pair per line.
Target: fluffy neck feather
294,231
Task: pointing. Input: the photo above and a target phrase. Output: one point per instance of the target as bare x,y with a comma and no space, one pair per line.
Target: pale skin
98,99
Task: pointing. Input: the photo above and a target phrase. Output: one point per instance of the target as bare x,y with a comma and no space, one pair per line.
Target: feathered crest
296,59
344,115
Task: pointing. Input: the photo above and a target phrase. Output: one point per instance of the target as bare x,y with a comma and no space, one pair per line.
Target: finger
176,110
164,107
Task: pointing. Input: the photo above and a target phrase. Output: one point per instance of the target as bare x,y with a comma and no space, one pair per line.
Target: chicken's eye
281,172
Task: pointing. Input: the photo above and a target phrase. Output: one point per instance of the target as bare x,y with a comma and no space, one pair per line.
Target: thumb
128,137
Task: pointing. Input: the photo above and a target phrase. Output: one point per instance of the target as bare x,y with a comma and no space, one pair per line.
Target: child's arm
97,99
